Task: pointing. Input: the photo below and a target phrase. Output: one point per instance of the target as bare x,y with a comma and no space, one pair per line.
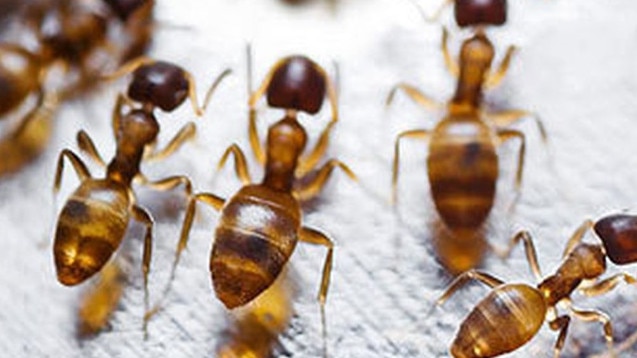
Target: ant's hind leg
315,237
421,134
314,187
168,183
594,315
240,164
140,214
506,134
78,165
465,278
560,324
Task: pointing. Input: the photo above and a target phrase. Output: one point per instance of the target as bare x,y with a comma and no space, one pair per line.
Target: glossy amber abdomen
503,321
256,235
90,228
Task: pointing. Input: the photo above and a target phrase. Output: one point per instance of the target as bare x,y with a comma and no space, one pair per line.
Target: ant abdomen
91,227
297,84
256,235
480,12
518,307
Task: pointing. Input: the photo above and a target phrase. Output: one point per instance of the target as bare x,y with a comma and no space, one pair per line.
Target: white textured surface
575,68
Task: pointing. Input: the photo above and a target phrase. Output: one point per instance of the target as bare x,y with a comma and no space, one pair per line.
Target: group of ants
261,224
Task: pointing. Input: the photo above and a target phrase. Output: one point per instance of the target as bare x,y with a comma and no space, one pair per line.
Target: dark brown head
297,83
619,236
480,12
161,84
125,8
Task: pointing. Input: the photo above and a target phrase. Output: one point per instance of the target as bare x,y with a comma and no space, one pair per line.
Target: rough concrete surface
575,68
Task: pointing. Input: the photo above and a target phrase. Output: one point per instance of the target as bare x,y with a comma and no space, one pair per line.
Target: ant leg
186,133
529,249
308,163
315,237
608,284
332,94
421,134
128,67
560,323
494,79
312,189
210,199
140,214
86,145
506,134
594,315
452,65
240,164
253,133
192,91
465,278
415,94
577,236
79,166
506,118
436,15
168,183
102,299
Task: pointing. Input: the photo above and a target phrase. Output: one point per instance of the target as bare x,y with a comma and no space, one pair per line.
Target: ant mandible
462,162
93,221
517,311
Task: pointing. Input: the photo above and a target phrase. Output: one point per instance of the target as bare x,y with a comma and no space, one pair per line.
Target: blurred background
575,68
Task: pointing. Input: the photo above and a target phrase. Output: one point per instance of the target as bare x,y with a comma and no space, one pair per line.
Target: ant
261,224
517,311
462,162
71,36
93,221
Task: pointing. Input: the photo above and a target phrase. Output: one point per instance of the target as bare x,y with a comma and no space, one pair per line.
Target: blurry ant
92,223
517,311
462,162
72,36
296,83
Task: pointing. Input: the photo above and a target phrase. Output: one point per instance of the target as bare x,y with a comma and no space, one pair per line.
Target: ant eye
297,84
480,12
161,83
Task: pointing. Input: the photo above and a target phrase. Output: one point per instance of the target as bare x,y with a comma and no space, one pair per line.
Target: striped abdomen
256,235
503,321
90,228
463,170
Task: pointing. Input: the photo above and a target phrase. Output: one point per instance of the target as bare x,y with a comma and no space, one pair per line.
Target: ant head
138,126
480,12
297,83
125,8
161,84
619,237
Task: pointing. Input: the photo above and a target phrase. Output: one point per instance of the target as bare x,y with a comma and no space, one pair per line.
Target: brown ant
261,224
93,222
462,162
69,35
512,314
